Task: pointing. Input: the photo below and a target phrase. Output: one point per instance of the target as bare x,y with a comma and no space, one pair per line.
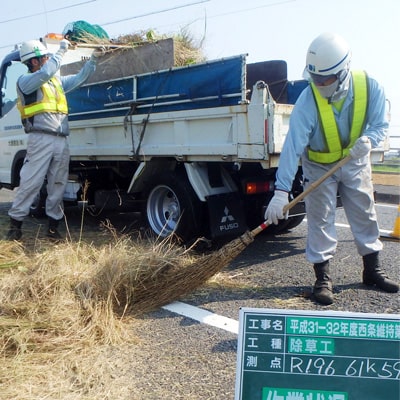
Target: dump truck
194,148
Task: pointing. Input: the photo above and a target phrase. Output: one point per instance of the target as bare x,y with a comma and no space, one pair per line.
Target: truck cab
11,129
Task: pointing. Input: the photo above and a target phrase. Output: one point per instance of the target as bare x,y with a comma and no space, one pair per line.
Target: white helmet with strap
329,55
32,49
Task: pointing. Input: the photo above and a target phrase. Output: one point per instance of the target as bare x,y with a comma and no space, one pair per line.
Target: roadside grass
390,169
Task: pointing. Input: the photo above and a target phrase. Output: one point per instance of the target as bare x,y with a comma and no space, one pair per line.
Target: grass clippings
63,308
78,293
12,255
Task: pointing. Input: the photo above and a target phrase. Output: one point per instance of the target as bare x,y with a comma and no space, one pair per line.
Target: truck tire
295,221
173,208
285,225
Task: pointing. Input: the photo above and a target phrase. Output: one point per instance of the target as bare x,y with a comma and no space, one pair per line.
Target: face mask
337,90
328,91
342,89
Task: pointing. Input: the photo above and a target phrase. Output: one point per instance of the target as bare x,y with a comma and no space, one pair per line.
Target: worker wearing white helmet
341,112
32,49
44,113
328,66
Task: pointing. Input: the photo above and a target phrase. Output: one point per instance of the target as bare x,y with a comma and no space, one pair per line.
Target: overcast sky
263,29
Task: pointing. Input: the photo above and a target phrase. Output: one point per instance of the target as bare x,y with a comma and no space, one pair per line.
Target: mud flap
226,215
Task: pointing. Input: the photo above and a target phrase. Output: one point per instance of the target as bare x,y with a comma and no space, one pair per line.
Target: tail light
259,187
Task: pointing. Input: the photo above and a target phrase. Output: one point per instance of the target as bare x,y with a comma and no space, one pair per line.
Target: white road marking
386,205
203,316
348,226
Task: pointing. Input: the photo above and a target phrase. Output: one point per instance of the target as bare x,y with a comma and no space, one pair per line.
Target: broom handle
301,196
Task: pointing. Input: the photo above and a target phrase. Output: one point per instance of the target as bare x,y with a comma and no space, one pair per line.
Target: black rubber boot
52,232
374,275
14,233
323,285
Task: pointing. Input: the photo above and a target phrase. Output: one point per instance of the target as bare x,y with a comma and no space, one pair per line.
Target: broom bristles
174,282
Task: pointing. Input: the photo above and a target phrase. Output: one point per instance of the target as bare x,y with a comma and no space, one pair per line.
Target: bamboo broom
172,282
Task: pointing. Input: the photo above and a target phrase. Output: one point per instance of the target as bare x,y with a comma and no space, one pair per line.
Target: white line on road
203,316
348,226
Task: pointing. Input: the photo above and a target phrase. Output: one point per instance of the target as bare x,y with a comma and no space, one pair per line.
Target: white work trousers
354,183
47,156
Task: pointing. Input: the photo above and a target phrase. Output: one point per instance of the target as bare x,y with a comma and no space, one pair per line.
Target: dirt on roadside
386,179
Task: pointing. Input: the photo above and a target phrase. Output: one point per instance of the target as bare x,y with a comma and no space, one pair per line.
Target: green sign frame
317,355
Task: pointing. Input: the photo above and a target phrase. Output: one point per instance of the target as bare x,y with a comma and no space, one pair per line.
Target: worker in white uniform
44,113
340,112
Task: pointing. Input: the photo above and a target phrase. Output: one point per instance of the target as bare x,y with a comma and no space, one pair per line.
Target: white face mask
328,91
335,91
342,90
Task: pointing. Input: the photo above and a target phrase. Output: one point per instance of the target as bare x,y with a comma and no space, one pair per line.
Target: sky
263,29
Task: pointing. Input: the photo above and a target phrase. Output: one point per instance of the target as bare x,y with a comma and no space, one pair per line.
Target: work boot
14,233
323,285
52,232
374,275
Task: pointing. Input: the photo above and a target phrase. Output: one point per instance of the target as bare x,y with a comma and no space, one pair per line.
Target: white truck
194,148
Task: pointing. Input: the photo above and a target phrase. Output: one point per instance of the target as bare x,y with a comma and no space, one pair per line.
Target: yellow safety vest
335,150
52,101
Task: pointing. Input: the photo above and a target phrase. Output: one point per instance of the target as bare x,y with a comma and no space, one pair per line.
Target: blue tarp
210,84
294,89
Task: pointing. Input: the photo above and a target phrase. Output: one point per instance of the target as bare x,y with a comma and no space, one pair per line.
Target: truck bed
198,112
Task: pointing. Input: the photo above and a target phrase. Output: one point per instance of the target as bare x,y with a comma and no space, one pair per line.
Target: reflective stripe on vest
53,101
335,150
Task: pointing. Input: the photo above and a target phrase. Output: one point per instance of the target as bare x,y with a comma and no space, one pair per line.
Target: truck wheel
172,207
285,225
295,221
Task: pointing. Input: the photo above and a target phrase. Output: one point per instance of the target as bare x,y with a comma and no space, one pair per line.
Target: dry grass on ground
64,307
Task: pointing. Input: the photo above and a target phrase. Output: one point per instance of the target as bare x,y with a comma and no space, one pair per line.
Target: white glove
274,210
361,148
64,44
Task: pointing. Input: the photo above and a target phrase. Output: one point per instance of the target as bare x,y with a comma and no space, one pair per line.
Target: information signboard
315,355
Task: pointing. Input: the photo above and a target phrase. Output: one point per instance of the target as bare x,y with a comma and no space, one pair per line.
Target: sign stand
315,355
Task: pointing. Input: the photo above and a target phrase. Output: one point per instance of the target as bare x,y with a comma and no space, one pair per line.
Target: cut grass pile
63,308
77,292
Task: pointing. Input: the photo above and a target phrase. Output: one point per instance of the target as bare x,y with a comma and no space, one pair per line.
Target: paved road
179,358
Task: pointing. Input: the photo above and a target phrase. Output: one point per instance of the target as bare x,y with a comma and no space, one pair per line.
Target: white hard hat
328,54
32,49
328,60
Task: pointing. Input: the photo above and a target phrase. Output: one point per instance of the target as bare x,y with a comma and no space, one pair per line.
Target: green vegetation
386,168
390,164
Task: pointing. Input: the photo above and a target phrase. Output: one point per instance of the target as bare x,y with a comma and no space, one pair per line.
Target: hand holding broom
302,195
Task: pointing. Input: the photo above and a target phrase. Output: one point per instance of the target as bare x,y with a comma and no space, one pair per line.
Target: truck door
10,73
12,135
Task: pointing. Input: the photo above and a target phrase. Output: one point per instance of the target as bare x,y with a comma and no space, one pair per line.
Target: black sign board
313,355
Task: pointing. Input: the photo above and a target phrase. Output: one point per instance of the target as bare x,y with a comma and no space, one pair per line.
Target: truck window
9,85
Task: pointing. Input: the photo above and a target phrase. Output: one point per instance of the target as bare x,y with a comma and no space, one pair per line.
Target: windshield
9,85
